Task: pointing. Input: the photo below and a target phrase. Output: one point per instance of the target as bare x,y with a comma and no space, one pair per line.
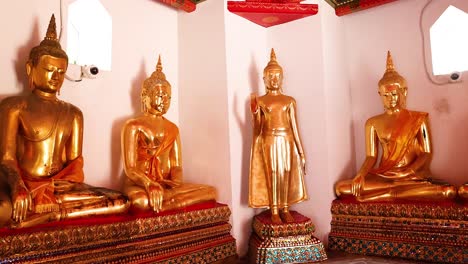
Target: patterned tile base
286,250
192,235
426,232
284,243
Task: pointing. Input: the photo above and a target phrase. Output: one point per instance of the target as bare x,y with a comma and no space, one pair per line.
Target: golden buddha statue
277,165
405,140
40,149
152,155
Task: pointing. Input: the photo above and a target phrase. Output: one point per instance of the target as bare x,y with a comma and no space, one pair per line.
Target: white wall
106,102
395,26
247,54
203,98
299,50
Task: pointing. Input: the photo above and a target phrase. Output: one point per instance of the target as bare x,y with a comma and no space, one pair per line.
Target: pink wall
395,26
203,98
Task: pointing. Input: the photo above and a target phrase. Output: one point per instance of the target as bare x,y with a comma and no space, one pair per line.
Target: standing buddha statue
152,155
277,165
405,140
41,138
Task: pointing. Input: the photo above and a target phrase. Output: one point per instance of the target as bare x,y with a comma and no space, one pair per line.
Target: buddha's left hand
399,173
170,183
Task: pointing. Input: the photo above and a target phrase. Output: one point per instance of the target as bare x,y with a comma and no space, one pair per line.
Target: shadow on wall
253,77
455,150
117,173
22,56
349,171
243,119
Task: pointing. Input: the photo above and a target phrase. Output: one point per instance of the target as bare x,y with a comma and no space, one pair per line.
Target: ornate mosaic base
264,229
420,231
170,238
432,253
445,210
284,243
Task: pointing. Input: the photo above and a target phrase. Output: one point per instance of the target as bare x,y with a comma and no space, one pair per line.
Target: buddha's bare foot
275,219
287,217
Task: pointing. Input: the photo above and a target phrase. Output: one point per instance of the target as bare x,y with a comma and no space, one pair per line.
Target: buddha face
48,74
158,101
273,79
393,96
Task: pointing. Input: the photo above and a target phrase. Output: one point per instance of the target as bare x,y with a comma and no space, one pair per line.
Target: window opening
89,34
449,42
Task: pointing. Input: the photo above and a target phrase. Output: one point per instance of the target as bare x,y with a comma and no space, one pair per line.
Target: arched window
449,42
89,34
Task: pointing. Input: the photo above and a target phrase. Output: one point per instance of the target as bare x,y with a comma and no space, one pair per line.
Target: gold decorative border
282,230
427,237
132,249
238,6
69,237
400,223
388,248
410,210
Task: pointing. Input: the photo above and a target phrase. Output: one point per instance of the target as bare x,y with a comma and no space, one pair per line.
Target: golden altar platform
423,231
195,234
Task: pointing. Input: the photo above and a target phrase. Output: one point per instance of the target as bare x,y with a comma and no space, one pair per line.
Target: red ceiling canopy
269,13
344,7
186,5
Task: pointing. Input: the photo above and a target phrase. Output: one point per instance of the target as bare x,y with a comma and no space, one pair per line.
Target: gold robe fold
258,189
42,188
402,136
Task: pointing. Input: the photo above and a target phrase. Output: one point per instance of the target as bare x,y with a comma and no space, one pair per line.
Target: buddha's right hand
253,103
357,184
155,196
22,202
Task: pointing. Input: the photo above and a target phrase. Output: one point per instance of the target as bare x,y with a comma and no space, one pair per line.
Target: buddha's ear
405,91
29,67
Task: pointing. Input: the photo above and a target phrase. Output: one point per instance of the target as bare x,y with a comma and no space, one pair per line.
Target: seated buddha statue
405,140
152,155
41,136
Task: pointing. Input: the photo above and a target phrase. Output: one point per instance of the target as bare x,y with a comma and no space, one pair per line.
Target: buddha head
47,63
273,73
156,92
392,87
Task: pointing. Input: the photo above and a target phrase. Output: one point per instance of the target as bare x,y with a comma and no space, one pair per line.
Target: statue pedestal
435,232
284,243
195,234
